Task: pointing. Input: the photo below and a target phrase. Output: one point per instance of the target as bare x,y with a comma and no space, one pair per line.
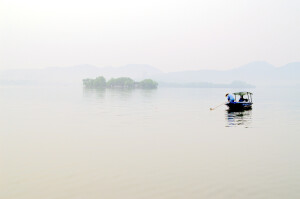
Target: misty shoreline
250,75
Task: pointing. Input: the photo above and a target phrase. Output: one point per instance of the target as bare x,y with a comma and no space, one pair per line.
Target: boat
244,102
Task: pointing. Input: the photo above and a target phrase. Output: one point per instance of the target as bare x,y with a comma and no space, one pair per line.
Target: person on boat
241,99
230,98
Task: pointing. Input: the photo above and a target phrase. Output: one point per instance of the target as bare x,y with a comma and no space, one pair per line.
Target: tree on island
99,82
148,83
121,82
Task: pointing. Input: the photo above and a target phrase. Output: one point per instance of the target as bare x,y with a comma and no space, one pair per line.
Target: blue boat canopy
242,93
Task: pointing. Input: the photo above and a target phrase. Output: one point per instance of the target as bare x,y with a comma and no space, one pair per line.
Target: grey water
74,143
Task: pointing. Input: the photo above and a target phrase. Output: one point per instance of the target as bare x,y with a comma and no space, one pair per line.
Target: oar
218,106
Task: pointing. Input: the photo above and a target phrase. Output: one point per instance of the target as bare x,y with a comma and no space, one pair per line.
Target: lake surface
72,143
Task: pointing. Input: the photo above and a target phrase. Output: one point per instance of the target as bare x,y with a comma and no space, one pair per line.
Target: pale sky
171,35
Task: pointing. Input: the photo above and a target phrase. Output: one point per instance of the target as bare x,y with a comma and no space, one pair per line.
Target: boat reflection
238,118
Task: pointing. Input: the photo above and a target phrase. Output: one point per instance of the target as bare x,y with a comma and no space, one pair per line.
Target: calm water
71,143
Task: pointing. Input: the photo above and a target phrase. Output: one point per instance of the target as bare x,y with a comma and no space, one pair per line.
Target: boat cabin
243,97
242,101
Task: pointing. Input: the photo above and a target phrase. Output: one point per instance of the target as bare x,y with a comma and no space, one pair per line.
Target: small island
121,82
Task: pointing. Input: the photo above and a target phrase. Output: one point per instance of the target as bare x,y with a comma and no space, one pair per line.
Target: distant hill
234,84
255,73
75,74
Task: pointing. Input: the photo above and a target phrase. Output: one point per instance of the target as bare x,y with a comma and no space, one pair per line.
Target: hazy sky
168,34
